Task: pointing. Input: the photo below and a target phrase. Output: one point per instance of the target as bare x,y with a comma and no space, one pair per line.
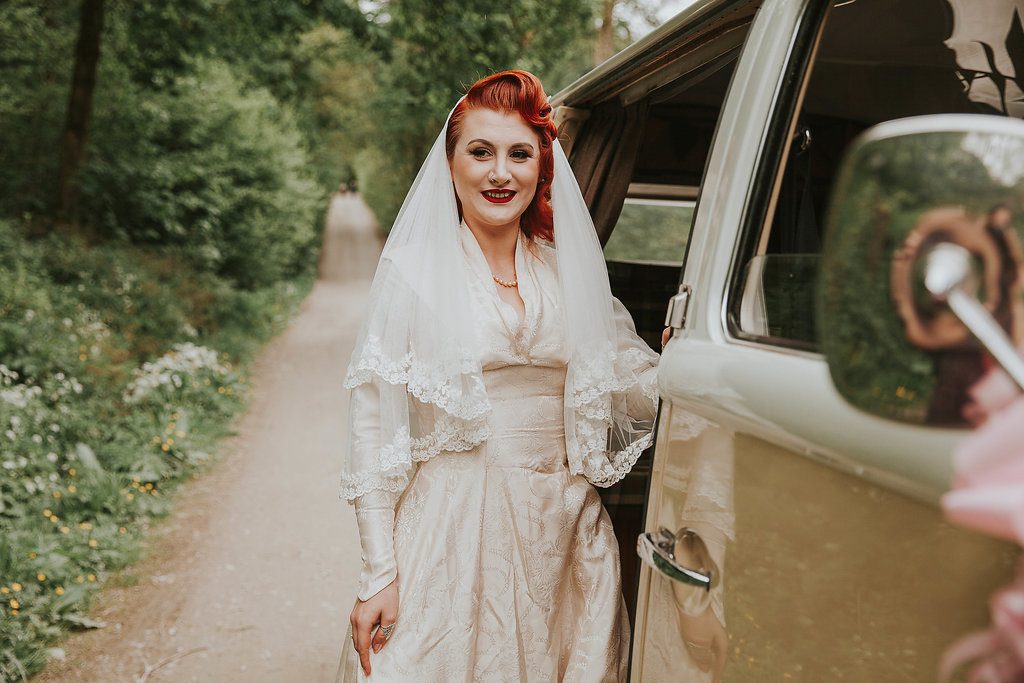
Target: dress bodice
505,339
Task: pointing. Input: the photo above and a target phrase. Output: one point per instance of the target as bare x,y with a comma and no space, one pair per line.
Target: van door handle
678,306
658,551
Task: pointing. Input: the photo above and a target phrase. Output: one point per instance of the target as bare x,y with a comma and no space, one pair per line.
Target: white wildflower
184,359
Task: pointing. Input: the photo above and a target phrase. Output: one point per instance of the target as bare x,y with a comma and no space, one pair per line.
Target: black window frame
768,172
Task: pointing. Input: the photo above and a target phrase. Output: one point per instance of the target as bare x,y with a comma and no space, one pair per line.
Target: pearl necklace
514,282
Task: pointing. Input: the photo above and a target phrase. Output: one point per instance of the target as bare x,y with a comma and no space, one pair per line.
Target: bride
495,382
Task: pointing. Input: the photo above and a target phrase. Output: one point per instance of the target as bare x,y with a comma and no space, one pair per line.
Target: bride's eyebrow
525,145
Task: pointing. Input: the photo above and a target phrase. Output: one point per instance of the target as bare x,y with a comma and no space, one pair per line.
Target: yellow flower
122,530
64,530
165,448
47,512
72,472
149,485
5,590
14,612
85,525
170,441
59,590
92,577
41,576
81,356
32,555
156,440
220,390
93,543
54,518
14,603
79,579
56,494
72,488
130,496
15,586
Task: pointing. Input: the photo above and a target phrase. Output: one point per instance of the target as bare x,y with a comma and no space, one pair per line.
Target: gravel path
253,575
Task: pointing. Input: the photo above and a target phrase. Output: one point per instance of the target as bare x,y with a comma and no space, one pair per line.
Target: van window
651,231
876,61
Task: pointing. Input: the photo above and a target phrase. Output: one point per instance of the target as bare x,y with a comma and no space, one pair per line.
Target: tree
76,129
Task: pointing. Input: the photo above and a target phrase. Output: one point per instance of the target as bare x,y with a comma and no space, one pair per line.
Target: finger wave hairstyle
520,92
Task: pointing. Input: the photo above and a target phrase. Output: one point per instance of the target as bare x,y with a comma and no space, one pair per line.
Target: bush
120,371
207,165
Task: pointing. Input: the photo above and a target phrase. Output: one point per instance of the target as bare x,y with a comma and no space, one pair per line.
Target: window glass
877,60
651,230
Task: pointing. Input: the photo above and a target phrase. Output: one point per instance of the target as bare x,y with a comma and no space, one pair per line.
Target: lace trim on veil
595,379
429,381
454,388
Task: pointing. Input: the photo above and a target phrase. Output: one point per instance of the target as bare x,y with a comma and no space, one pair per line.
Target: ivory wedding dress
507,564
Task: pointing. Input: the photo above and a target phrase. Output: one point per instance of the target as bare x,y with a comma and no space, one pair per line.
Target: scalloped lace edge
398,456
428,382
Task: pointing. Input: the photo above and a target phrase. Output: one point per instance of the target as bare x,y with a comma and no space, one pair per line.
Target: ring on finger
387,630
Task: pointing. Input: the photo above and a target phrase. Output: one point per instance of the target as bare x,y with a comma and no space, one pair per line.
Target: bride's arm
375,510
378,600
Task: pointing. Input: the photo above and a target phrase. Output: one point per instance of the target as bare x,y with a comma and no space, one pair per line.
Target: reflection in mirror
894,348
686,633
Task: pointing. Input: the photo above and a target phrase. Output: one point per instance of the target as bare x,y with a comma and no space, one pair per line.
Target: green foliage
35,69
213,167
110,396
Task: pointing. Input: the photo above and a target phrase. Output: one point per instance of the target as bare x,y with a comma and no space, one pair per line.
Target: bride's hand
381,609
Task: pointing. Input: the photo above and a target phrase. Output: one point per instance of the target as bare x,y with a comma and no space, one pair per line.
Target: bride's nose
499,175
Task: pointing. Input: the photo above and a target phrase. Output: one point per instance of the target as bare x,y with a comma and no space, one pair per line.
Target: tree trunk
76,129
603,48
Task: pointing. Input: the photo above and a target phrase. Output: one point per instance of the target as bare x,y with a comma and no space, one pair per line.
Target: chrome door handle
658,551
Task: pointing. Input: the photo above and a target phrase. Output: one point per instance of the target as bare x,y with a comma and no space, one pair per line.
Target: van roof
643,56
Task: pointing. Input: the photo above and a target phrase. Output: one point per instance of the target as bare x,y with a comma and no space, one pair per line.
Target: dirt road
253,576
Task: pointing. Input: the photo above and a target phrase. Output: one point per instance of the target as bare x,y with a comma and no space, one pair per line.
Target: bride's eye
480,152
520,155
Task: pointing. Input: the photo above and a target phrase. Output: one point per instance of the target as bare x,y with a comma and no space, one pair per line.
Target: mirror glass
904,187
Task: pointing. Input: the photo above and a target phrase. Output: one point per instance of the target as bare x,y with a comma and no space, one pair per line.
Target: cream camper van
770,179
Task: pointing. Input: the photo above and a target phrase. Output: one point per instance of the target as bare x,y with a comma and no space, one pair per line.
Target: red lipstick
498,196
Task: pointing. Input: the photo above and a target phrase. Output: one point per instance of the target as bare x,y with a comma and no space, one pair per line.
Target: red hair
520,92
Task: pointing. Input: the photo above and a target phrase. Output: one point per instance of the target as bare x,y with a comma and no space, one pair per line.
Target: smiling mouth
498,196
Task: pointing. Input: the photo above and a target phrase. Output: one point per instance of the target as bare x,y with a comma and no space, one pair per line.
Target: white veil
418,343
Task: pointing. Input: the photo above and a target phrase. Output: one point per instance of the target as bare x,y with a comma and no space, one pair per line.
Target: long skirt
508,567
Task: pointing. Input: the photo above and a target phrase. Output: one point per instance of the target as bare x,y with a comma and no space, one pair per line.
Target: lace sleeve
642,398
375,510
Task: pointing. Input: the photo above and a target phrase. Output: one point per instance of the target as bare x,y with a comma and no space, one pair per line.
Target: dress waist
527,422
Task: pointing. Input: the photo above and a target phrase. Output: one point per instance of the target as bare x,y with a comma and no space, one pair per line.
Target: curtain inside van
603,159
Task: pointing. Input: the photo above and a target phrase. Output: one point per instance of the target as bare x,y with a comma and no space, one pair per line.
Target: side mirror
923,269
